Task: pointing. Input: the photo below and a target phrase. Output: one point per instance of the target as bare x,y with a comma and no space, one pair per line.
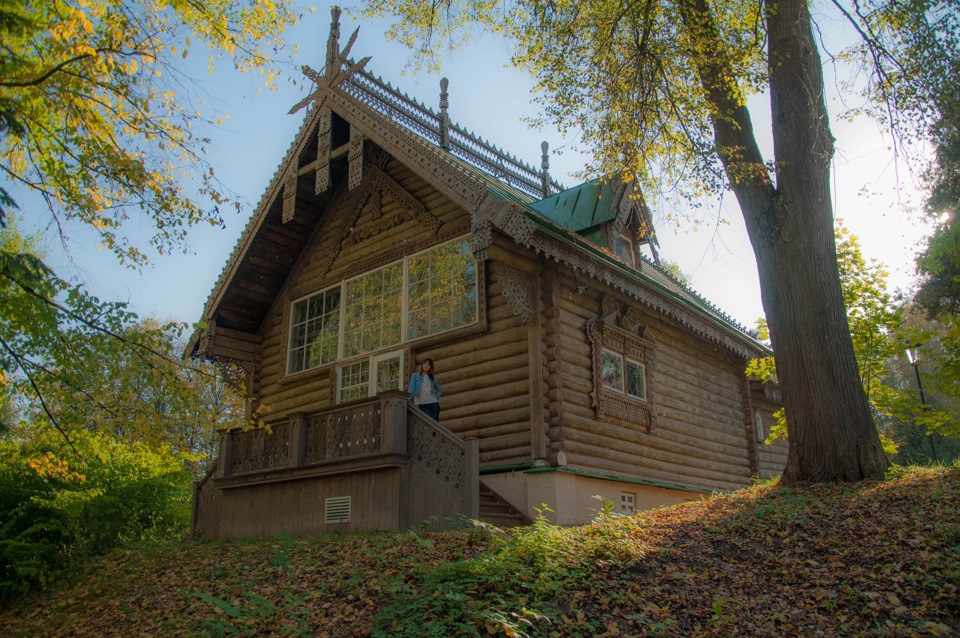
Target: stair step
495,510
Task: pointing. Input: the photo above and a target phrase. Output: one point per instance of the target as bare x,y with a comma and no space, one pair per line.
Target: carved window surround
375,187
635,347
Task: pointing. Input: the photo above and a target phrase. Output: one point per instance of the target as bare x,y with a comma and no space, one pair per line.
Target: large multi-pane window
314,330
373,311
442,289
428,293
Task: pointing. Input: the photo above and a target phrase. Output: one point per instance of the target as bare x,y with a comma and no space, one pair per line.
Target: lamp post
913,356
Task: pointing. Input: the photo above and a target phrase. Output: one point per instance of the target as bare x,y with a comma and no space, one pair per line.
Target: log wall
700,438
485,376
520,384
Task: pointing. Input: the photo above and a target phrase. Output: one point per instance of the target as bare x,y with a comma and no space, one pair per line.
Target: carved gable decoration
355,158
376,191
323,150
289,195
623,374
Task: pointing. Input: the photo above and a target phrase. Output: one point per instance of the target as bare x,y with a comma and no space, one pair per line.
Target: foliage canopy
98,120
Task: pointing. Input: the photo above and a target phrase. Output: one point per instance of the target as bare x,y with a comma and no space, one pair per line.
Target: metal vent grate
337,510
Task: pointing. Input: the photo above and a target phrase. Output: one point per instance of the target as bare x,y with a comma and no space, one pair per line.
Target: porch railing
381,425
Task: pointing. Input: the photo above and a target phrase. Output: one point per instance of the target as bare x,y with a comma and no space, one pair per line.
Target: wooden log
482,409
724,471
467,372
486,348
502,457
483,395
575,459
514,442
680,441
513,427
280,406
495,381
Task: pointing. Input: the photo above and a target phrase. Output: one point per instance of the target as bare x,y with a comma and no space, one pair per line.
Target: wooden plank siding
297,507
699,439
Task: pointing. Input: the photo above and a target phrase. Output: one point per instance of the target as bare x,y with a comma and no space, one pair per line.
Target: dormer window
625,248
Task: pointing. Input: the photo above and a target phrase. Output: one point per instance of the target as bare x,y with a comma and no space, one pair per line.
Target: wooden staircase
496,511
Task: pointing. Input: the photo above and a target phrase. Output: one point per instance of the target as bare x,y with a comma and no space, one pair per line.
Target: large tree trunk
830,429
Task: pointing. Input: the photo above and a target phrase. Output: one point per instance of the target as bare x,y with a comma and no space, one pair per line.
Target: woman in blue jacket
424,390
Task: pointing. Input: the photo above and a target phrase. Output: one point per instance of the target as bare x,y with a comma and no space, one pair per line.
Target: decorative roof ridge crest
470,135
699,297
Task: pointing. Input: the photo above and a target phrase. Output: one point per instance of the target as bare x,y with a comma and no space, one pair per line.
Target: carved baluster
545,165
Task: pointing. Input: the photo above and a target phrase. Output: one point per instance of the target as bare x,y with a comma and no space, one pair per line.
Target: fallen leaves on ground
878,558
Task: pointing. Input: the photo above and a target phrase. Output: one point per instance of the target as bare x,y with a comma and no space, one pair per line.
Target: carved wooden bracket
289,195
355,158
323,151
519,291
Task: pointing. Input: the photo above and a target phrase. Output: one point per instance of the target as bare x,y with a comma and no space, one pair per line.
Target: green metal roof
580,207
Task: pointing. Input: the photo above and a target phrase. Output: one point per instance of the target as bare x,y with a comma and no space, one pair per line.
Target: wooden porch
374,464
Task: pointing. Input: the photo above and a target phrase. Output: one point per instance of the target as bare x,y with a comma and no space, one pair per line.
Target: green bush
60,504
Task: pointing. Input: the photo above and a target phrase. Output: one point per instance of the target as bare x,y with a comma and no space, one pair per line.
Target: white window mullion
343,321
405,305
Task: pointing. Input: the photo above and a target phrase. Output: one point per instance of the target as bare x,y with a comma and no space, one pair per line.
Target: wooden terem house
571,365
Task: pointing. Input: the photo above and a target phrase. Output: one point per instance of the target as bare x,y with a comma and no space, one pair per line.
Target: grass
878,558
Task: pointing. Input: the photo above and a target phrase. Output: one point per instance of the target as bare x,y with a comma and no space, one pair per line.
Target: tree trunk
830,429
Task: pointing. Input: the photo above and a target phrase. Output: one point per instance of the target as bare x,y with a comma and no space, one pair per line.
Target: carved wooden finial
545,165
333,74
444,115
333,40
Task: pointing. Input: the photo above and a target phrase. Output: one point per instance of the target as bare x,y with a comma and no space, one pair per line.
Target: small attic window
626,249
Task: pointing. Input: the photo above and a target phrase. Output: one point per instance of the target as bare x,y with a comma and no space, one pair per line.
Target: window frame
625,242
608,401
759,428
290,326
478,324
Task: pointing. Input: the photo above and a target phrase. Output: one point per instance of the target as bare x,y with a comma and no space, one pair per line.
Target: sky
871,194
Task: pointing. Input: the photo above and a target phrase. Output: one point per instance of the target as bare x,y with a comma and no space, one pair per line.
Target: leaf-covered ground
872,559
